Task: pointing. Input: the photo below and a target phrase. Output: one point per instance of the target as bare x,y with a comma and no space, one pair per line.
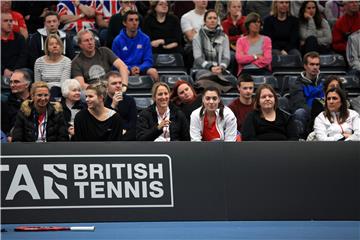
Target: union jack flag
107,8
68,8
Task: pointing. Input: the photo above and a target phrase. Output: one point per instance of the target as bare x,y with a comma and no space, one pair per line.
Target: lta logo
54,174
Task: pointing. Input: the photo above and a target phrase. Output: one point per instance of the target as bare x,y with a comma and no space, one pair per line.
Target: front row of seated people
40,120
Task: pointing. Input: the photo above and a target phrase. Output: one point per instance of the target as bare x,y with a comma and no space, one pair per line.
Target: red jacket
343,27
228,23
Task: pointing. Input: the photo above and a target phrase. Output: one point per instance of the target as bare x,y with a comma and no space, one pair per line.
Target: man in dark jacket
19,84
122,103
39,120
305,89
37,40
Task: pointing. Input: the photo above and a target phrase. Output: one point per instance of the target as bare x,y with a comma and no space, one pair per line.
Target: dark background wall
211,181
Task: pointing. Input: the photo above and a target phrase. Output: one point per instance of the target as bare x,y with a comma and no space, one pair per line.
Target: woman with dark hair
253,51
337,122
211,46
213,121
163,28
283,29
97,122
183,95
267,122
315,32
162,121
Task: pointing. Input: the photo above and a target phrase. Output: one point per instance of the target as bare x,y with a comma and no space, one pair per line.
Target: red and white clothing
226,127
68,8
107,8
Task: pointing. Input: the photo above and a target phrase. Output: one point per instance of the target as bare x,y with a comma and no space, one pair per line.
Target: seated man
93,63
353,53
134,47
37,41
306,88
244,104
19,84
123,104
346,25
19,25
13,47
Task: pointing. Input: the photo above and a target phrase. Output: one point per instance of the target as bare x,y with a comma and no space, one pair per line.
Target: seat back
140,84
172,79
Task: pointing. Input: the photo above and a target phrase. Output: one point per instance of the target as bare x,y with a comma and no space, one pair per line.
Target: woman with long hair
315,32
211,46
283,29
163,28
183,95
213,121
162,121
267,122
337,122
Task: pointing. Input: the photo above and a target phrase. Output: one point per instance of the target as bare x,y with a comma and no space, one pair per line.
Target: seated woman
213,121
283,29
211,47
163,28
162,121
315,32
184,97
96,122
53,67
267,122
337,122
253,51
71,102
39,120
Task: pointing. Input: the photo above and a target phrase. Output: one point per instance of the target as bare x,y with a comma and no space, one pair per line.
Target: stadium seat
142,101
140,84
171,79
227,98
287,82
271,80
289,64
332,64
171,63
351,84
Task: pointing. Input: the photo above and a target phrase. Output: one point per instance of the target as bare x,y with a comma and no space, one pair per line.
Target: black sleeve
291,130
62,134
297,98
22,60
185,128
248,132
294,40
146,130
34,51
19,128
79,131
69,51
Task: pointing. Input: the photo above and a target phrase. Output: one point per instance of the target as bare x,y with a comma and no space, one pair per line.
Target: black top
128,112
188,108
88,128
169,30
147,122
13,53
283,34
256,128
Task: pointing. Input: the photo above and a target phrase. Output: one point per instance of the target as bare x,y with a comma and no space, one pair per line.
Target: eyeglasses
39,95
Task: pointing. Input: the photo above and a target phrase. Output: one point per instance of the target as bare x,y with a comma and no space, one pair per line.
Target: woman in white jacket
337,122
213,121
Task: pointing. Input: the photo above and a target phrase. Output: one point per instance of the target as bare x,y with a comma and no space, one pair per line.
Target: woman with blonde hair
283,29
52,68
162,121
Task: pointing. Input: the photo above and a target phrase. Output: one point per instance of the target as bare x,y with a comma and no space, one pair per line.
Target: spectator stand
286,65
333,64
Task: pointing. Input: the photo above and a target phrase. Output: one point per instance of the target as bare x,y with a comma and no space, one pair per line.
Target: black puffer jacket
147,122
25,129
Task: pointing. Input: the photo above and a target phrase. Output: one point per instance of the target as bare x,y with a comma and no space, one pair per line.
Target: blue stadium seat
172,79
140,84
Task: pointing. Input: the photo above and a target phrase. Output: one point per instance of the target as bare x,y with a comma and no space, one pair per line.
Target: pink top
242,57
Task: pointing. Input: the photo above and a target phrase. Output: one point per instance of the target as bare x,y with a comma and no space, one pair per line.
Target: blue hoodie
134,51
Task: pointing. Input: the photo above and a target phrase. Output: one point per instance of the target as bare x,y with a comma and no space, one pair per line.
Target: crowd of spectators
69,63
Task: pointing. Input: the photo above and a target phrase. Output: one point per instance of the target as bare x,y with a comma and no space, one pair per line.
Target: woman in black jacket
162,122
39,120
